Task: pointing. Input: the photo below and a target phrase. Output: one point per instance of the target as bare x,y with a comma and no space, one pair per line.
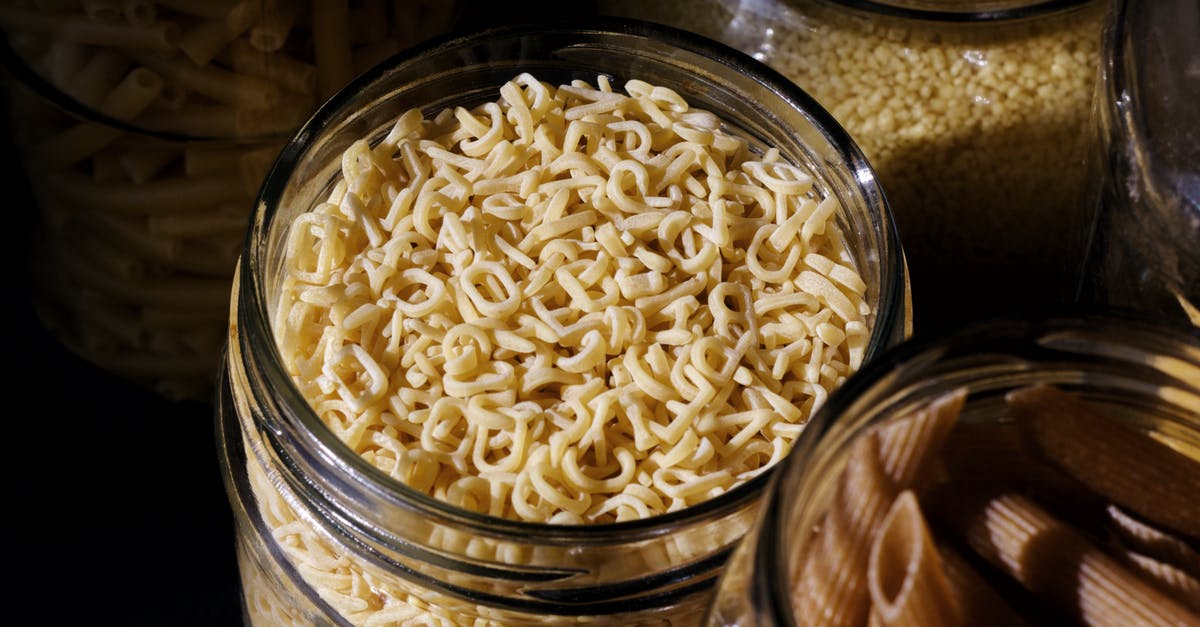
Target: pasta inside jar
570,305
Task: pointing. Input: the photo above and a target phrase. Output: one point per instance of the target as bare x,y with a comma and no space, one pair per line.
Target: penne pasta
130,97
1156,543
290,73
97,78
904,573
830,586
271,32
909,445
119,34
202,42
1174,581
1118,461
1055,562
979,603
224,86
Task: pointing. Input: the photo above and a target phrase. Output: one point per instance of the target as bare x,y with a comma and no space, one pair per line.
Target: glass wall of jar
976,115
1083,428
326,536
145,129
1145,251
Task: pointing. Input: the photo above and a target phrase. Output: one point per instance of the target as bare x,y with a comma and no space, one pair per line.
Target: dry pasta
907,583
175,211
832,579
1056,562
574,294
1112,458
1090,560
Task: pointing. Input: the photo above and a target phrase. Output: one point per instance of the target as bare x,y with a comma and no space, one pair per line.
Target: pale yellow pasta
331,41
202,42
904,574
102,10
139,12
270,33
130,97
535,267
159,36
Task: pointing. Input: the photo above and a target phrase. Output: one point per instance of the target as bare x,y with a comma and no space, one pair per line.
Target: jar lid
964,11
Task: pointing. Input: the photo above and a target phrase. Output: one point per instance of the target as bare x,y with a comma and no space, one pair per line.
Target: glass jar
144,131
327,538
1144,371
1144,252
976,115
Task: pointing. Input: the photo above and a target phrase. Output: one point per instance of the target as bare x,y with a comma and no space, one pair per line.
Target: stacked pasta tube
177,111
1094,518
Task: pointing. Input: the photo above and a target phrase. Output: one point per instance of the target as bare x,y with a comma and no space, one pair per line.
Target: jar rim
993,11
254,318
19,69
1101,321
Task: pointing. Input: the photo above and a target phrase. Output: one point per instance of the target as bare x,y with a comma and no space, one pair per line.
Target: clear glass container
1144,252
144,131
325,537
1143,370
976,115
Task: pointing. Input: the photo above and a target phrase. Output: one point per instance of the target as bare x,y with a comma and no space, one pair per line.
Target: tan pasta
905,577
1056,562
1112,458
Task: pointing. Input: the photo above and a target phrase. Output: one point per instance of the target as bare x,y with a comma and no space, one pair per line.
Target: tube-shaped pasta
160,36
1174,581
290,73
1055,562
221,85
909,444
904,572
203,41
140,13
331,41
130,97
979,603
102,10
1119,461
97,78
270,33
831,587
1153,542
209,8
162,195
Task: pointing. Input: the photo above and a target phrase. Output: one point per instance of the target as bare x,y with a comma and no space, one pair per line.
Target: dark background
116,509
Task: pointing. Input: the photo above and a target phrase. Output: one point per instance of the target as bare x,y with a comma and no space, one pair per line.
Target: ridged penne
1117,460
1055,562
908,445
907,584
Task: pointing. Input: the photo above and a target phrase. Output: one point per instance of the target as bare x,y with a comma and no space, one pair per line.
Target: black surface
117,514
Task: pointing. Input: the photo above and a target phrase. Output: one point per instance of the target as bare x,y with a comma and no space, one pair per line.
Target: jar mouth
1104,343
660,44
957,11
